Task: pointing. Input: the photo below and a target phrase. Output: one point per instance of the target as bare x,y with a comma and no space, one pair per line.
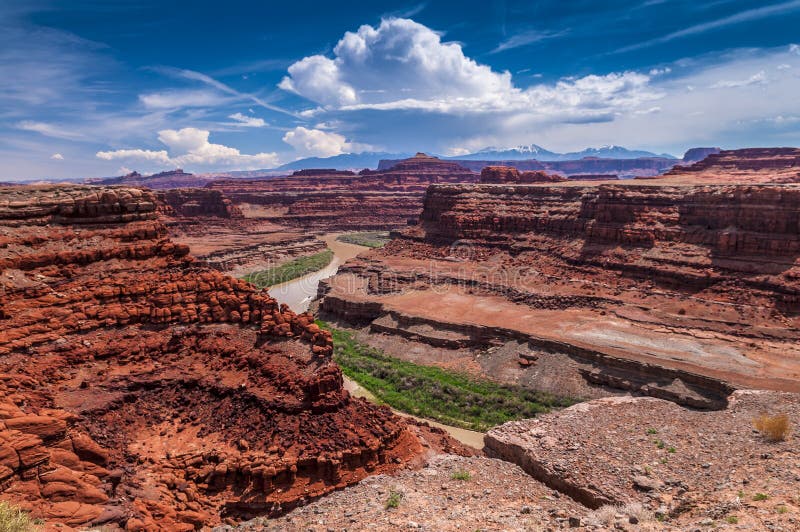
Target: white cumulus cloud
190,147
57,157
247,121
318,143
402,64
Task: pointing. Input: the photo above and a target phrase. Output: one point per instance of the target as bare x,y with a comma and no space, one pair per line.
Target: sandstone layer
750,165
511,176
678,292
141,389
340,200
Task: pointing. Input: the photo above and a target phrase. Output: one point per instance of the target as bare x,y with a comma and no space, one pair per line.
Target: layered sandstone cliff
141,389
678,292
511,176
749,165
199,202
339,200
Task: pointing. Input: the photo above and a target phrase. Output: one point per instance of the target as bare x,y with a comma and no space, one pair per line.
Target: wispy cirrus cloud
222,87
755,79
526,38
177,99
748,15
49,130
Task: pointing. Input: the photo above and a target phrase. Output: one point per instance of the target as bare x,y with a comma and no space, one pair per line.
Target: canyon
145,386
680,292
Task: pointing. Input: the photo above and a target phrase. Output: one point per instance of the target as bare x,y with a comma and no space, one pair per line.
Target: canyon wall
199,202
142,389
510,175
676,291
339,200
749,165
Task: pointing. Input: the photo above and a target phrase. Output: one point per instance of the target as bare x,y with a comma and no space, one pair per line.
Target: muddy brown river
298,295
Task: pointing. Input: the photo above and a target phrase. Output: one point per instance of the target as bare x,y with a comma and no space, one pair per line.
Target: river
298,295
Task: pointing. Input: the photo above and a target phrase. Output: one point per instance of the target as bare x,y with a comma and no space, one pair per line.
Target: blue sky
95,88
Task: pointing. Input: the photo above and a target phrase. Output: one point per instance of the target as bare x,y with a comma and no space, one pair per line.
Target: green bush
394,499
370,239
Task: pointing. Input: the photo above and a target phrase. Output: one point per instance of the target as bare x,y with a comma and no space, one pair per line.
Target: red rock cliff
510,175
202,202
696,235
140,389
345,201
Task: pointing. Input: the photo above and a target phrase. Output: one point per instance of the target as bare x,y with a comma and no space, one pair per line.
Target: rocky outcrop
340,200
199,202
142,389
684,466
511,176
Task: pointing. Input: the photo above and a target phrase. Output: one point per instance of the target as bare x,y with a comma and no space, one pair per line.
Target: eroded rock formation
678,292
749,165
511,176
341,200
140,388
199,202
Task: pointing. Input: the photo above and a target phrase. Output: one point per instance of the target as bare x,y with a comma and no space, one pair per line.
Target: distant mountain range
345,161
533,151
357,161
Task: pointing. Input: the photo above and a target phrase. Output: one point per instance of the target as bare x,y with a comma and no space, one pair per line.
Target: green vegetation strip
449,397
370,239
291,270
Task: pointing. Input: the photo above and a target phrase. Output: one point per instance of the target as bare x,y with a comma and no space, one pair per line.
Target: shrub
773,428
461,474
732,520
394,499
12,519
760,497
